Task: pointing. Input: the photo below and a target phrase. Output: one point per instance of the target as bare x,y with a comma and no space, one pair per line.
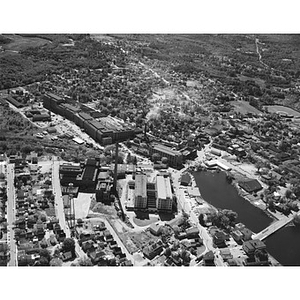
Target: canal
216,190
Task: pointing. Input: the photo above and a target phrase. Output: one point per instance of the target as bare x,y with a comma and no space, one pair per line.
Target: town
99,163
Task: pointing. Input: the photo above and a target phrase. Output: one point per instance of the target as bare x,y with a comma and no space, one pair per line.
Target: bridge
273,228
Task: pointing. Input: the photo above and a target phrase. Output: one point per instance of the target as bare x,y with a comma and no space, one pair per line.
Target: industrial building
140,197
104,186
164,193
175,158
85,177
41,118
104,130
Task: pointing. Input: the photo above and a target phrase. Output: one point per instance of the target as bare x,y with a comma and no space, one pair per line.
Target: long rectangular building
104,130
174,157
140,198
164,193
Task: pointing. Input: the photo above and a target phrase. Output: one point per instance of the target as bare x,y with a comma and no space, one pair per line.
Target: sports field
283,110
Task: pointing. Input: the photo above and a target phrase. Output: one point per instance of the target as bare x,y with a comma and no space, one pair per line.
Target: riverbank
216,191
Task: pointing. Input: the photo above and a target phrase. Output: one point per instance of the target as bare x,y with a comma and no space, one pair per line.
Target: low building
209,258
153,250
185,179
251,186
226,254
192,233
250,246
237,235
155,229
41,118
247,234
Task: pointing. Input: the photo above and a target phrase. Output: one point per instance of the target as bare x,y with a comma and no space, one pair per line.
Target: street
59,206
207,239
11,217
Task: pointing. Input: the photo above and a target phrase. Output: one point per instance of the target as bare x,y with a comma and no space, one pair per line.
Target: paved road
11,217
207,239
273,228
59,206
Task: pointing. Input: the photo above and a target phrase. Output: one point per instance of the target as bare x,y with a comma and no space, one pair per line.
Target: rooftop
141,185
163,187
167,150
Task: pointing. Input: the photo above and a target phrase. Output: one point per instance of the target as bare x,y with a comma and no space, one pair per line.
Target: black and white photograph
130,149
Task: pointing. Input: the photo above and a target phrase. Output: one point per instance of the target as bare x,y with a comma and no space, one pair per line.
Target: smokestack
116,167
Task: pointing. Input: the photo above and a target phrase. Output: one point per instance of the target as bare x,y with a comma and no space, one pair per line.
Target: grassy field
282,109
19,43
258,81
244,107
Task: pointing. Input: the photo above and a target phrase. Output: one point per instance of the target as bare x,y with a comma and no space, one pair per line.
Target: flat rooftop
141,185
167,150
163,187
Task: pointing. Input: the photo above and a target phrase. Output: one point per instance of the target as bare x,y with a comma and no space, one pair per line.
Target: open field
258,81
19,43
244,107
283,110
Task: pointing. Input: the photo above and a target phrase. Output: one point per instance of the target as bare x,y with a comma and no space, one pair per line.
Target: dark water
216,190
284,245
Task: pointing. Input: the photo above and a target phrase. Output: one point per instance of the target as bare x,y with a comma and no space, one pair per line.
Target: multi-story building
151,196
164,193
175,158
140,198
104,187
105,130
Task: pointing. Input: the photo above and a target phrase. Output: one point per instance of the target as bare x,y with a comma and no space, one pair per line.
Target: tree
168,252
288,193
231,215
43,261
85,262
26,149
56,262
69,245
43,243
165,160
155,157
201,220
45,253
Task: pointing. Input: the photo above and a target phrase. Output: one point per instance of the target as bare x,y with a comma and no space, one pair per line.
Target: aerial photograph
155,150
